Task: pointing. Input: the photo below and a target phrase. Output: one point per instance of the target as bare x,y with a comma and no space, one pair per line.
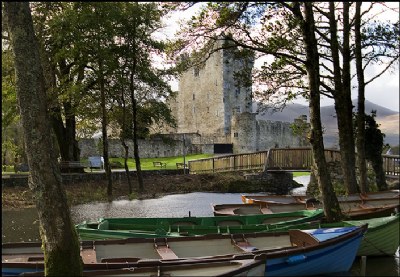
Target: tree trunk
135,140
58,234
107,167
343,105
126,147
331,204
126,157
361,161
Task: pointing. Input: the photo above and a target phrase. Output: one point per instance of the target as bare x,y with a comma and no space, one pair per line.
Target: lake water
22,225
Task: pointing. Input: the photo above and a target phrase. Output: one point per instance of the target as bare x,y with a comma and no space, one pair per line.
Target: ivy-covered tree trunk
58,234
331,204
342,96
360,120
373,150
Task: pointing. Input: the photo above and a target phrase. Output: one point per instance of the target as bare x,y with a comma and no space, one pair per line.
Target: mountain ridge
387,118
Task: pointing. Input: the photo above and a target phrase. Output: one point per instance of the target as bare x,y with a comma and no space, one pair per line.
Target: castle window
237,91
236,135
193,96
208,109
236,110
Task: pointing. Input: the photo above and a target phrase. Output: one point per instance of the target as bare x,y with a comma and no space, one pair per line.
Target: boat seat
242,243
162,248
120,260
36,258
88,254
299,238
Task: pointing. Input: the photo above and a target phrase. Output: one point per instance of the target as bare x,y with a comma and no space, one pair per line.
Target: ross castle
211,104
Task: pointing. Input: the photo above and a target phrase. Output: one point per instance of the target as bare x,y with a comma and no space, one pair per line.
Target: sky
383,91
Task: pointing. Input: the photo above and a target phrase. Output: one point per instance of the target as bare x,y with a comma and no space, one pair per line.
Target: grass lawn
297,174
147,163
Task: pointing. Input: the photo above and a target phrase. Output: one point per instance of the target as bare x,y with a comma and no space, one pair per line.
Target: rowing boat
377,198
353,206
286,253
114,228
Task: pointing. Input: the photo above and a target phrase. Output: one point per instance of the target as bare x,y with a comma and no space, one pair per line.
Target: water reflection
20,225
176,205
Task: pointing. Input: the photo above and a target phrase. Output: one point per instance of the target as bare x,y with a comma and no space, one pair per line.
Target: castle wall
276,134
150,148
244,133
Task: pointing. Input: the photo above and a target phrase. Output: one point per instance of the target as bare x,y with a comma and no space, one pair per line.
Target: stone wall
276,134
149,148
15,180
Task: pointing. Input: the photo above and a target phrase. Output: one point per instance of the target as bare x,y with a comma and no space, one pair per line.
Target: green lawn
147,163
297,174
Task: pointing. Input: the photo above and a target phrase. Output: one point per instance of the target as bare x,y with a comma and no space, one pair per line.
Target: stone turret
208,97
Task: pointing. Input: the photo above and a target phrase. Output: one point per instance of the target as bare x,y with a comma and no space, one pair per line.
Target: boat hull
245,267
334,259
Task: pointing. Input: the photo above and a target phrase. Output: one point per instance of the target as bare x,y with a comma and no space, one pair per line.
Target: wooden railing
391,164
277,159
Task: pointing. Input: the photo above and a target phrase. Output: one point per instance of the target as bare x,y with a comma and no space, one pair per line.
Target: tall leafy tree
376,42
66,83
342,93
331,204
147,85
58,234
91,51
360,122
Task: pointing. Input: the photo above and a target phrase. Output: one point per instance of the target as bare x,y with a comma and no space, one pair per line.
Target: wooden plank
242,243
89,256
162,248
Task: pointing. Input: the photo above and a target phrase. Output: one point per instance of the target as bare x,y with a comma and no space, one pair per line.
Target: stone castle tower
213,107
209,97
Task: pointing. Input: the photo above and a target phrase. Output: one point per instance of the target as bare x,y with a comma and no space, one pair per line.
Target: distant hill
388,119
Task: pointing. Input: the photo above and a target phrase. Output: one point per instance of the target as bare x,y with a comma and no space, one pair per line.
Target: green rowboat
118,228
382,237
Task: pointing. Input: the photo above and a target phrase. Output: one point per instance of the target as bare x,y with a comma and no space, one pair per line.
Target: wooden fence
277,159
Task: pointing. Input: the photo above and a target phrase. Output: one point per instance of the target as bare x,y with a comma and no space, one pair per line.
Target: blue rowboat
335,258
